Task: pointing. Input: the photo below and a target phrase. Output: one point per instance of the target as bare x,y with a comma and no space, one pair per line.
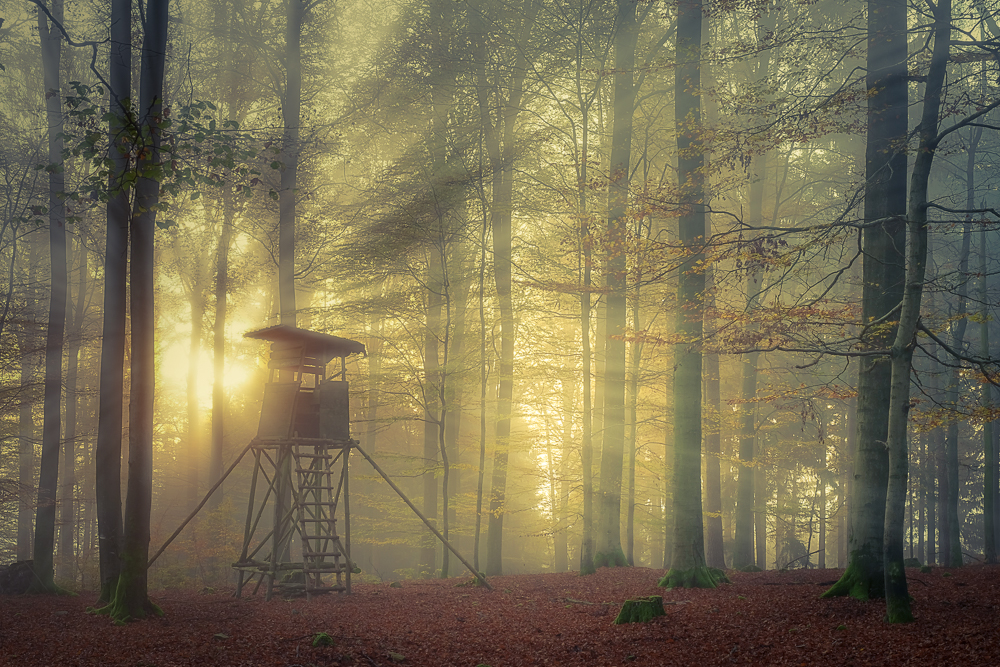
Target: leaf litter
766,618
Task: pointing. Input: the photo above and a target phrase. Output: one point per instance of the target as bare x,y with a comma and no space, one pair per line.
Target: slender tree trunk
68,507
48,469
608,548
632,396
432,405
499,141
921,496
896,595
944,522
219,346
28,342
483,376
193,445
952,556
743,549
986,400
290,116
131,596
586,355
561,541
108,452
761,494
714,546
822,510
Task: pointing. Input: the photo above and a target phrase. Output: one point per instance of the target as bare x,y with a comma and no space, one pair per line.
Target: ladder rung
321,537
321,488
314,456
318,503
317,554
329,569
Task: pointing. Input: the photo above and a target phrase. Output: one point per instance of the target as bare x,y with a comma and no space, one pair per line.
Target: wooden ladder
318,493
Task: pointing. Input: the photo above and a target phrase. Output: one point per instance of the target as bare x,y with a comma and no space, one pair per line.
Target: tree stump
641,610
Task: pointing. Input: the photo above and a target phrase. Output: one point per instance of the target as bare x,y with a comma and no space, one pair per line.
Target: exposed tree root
695,577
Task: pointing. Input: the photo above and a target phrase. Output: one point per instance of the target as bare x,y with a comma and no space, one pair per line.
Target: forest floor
767,618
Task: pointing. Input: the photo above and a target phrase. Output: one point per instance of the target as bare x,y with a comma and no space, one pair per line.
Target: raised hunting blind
300,486
301,472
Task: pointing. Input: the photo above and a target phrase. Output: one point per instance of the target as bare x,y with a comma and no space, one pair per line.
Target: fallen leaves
529,619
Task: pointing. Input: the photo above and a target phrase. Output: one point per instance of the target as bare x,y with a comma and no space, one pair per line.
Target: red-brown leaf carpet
769,618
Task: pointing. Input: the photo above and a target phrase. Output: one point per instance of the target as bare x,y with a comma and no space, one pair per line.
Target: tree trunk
28,343
432,404
108,451
290,117
714,545
586,355
608,548
219,347
687,562
896,595
761,494
885,199
131,599
952,556
743,548
986,396
67,565
48,469
499,141
193,445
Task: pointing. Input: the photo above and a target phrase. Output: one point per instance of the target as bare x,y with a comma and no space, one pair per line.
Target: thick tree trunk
687,562
48,469
885,199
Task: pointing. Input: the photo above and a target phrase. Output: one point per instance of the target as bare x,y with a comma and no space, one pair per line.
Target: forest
702,286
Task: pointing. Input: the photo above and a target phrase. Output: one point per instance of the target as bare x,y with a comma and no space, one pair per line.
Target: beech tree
45,521
131,598
108,449
687,563
883,243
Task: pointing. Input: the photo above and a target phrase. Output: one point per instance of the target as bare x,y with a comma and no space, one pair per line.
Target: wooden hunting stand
301,456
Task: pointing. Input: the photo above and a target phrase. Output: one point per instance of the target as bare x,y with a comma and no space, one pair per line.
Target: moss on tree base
858,584
897,610
613,559
695,577
123,609
641,610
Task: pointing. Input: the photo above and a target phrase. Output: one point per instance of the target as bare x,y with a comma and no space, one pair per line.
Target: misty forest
698,286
